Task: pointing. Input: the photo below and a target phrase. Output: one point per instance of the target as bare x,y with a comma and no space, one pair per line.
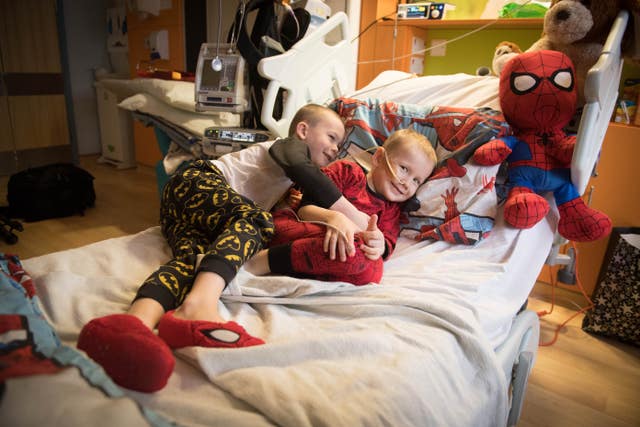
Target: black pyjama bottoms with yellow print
201,214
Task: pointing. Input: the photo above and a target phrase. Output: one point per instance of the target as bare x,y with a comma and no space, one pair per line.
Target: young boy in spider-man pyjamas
213,226
304,249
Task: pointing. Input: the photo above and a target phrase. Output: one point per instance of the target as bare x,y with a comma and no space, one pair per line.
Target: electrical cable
460,37
236,28
583,310
216,64
361,92
372,24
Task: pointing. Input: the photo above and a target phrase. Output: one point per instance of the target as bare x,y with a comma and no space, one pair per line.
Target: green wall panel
473,51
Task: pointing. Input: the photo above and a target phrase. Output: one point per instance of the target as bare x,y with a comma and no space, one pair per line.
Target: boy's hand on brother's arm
373,238
293,199
338,240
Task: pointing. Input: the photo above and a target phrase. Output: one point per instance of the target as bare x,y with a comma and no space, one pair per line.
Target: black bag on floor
51,191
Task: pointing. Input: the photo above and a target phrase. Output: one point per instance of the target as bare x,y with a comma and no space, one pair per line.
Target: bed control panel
218,141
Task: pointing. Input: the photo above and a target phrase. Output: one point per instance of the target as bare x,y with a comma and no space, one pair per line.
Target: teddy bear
537,93
503,53
579,29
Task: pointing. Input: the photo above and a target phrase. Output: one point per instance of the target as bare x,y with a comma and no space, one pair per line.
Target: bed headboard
601,95
314,70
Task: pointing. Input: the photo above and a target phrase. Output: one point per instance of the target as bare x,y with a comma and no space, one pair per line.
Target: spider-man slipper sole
178,333
131,354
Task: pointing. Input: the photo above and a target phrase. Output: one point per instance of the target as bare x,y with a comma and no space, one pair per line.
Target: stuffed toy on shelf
504,52
538,98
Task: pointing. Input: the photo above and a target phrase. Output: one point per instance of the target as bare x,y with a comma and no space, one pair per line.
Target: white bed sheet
453,90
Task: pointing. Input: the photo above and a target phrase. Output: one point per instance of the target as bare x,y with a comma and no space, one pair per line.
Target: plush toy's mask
539,93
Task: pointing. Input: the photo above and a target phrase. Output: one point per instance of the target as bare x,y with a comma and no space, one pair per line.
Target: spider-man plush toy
538,98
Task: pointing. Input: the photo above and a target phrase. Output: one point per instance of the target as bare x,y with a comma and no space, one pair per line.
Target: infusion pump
218,141
221,79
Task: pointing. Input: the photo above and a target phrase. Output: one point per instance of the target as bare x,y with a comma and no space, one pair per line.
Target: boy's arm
345,207
292,155
340,230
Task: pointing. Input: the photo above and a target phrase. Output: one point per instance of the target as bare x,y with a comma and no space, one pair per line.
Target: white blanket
411,351
337,355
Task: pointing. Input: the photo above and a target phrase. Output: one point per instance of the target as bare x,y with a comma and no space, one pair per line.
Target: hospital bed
444,340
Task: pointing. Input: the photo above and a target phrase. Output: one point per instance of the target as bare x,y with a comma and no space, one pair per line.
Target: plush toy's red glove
492,153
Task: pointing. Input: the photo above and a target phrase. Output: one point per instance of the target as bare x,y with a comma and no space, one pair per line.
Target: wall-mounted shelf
389,44
531,23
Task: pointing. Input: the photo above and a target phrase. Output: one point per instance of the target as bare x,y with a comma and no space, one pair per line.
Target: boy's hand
373,246
293,199
339,236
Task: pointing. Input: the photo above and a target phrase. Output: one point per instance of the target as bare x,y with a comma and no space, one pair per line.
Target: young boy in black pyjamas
212,230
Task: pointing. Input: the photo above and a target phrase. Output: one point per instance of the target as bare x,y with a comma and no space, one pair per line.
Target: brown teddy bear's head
579,29
585,21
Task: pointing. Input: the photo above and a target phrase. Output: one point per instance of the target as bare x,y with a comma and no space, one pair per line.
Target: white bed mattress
453,90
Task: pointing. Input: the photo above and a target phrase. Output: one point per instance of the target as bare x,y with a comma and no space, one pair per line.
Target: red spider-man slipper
131,354
178,333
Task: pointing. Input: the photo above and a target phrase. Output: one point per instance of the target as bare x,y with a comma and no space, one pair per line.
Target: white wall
229,8
86,35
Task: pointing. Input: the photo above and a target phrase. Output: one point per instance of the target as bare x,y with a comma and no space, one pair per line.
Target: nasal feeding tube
391,169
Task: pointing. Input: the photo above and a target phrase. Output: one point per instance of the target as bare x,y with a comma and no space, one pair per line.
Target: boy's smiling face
323,137
397,176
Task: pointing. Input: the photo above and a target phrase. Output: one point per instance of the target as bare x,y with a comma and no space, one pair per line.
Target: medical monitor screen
417,11
223,80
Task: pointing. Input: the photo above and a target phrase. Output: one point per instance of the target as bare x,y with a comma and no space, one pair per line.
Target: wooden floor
581,380
126,202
